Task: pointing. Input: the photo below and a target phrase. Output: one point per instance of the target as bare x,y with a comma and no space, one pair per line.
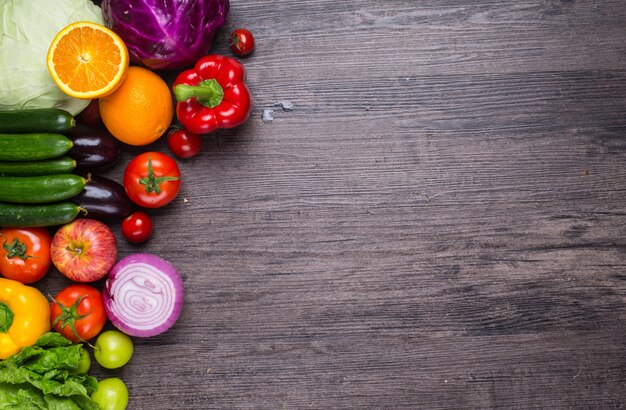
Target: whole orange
140,110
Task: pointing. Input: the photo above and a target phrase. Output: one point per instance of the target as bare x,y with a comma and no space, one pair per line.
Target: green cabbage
28,27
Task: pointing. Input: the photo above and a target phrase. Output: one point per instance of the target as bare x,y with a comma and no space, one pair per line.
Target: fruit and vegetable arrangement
78,88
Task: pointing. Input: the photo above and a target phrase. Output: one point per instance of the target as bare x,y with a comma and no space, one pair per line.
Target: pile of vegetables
55,211
39,184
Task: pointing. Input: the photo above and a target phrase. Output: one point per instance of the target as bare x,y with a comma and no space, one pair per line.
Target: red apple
84,250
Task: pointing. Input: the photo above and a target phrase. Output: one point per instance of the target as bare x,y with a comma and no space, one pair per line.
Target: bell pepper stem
208,93
6,317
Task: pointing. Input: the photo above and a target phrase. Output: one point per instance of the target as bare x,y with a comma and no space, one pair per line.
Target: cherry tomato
84,364
137,227
113,349
91,114
183,143
112,394
77,312
25,253
241,42
152,179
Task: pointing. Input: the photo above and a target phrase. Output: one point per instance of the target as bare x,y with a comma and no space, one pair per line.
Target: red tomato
241,42
152,179
183,143
77,312
137,227
25,254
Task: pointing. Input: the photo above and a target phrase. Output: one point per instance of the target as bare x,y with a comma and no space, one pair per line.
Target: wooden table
439,223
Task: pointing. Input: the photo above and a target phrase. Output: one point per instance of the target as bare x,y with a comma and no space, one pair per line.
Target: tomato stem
152,182
16,248
234,41
69,316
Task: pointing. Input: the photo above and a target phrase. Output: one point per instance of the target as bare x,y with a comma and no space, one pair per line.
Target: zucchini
61,165
36,120
31,147
25,216
40,189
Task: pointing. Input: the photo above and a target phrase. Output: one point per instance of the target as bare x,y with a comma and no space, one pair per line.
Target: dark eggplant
104,199
94,148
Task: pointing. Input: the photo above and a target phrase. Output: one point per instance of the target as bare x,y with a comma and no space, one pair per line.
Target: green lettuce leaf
40,377
19,396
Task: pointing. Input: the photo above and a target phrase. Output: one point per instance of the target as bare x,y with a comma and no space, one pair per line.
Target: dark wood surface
438,224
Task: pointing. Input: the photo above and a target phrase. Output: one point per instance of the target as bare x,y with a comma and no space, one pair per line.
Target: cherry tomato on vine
137,227
77,312
183,143
25,253
152,179
241,42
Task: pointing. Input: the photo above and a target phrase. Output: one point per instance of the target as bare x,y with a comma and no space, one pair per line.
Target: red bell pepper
212,95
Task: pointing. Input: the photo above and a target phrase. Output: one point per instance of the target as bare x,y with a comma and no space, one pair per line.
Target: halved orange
87,60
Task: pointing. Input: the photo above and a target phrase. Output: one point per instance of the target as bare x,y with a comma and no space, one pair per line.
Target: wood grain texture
439,223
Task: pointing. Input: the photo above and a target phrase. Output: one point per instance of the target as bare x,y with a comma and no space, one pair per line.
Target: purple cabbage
166,34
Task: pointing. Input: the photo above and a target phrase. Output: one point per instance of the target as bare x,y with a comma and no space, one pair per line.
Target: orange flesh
86,59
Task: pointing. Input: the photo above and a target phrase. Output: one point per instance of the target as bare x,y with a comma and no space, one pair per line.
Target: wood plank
405,37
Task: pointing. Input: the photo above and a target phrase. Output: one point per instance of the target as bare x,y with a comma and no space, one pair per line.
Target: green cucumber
40,189
26,216
32,147
36,120
61,165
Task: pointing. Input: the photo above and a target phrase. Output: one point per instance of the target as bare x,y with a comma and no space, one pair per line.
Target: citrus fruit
140,110
87,60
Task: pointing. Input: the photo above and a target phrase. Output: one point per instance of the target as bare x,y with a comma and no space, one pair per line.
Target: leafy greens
43,377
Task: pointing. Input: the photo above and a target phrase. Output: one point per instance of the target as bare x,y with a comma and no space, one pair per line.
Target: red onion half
143,295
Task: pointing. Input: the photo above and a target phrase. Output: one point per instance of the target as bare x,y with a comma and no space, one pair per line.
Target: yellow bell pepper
24,316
